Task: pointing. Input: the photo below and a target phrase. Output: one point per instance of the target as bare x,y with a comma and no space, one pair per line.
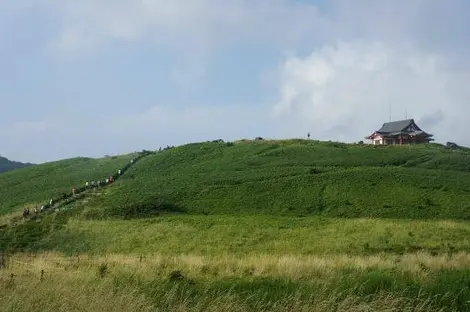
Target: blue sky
96,77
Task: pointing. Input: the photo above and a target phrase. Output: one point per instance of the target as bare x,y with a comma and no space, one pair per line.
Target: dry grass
63,290
292,267
73,283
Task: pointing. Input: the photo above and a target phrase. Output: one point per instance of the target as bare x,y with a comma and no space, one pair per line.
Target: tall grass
253,283
216,235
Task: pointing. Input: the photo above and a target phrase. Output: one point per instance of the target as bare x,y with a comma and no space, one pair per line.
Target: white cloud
363,55
193,29
343,91
182,23
177,125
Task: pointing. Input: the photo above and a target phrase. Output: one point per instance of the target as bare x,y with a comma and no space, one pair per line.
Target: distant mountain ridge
8,165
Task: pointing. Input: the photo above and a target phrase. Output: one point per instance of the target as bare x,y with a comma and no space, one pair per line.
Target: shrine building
400,132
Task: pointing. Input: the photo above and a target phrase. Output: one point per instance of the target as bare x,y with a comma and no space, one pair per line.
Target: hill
295,177
8,165
244,226
35,185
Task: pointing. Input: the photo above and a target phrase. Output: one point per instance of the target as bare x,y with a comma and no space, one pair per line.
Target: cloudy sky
96,77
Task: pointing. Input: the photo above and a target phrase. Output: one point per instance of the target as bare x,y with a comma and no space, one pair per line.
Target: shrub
103,270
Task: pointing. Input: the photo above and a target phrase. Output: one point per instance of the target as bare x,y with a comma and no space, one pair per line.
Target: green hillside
294,177
8,165
246,226
37,184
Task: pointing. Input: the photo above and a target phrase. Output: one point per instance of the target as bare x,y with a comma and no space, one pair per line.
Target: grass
238,263
237,235
245,226
415,282
35,185
294,178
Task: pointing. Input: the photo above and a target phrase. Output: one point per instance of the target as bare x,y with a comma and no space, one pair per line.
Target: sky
104,77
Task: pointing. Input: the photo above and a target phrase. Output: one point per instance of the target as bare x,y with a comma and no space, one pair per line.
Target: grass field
295,178
35,185
237,235
261,283
236,263
243,264
249,226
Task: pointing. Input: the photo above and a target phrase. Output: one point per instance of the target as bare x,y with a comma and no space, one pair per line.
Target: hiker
308,135
35,210
111,179
107,181
42,208
132,160
86,184
119,171
50,202
73,191
25,212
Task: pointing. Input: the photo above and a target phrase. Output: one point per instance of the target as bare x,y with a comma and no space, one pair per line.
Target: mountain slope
295,178
37,184
8,165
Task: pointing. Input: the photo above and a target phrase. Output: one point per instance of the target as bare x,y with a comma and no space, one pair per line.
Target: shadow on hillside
136,210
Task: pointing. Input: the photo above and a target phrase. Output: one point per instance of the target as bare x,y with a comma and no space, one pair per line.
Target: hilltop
291,177
8,165
294,177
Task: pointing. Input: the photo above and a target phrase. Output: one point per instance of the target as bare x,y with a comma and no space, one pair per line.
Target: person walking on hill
35,210
50,202
73,191
42,208
119,171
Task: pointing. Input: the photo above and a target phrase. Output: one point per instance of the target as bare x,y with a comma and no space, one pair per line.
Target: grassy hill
35,185
246,226
8,165
294,177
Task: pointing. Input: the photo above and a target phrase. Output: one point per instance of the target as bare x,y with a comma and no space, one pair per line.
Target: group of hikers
97,184
26,211
88,185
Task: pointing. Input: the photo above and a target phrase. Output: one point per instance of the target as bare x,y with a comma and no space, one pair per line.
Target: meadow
29,187
241,263
249,226
296,177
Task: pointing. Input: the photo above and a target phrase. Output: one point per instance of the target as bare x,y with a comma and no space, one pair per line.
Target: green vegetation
35,185
295,178
247,226
8,165
51,282
237,235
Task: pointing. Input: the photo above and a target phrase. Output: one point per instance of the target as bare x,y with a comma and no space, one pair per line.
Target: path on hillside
82,192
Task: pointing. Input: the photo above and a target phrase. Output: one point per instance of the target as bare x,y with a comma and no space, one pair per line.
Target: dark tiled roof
396,126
